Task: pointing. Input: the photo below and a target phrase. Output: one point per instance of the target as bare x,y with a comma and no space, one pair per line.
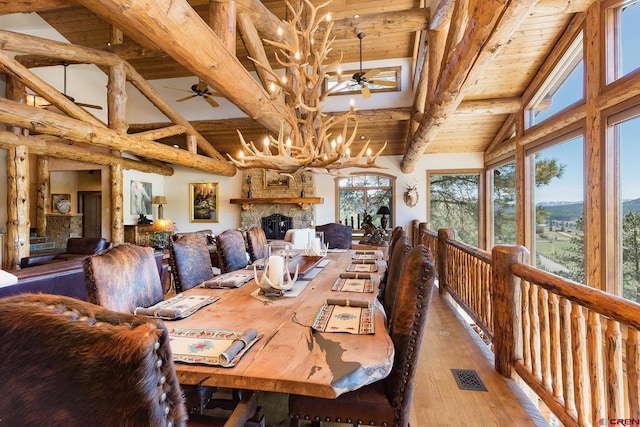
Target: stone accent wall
302,218
62,226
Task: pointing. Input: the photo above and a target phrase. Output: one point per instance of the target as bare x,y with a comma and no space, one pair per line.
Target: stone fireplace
254,180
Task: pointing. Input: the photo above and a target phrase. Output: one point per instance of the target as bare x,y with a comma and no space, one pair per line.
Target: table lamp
384,211
160,200
163,226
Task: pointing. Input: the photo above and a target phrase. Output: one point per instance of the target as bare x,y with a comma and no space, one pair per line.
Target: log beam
54,124
379,24
42,193
208,59
494,23
51,146
223,21
26,6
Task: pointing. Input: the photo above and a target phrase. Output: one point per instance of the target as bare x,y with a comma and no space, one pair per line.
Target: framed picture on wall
60,203
141,198
274,180
203,202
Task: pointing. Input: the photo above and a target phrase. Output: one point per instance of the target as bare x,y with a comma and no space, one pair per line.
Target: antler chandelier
308,139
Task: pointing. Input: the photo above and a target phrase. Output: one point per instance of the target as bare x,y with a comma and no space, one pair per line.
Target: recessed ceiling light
176,146
356,16
363,137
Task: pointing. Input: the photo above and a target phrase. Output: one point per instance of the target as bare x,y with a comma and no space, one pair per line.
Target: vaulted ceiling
471,59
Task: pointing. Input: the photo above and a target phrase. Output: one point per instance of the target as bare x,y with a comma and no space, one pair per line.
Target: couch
64,277
77,247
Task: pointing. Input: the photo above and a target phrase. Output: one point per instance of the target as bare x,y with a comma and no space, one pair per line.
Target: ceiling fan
200,89
40,102
364,78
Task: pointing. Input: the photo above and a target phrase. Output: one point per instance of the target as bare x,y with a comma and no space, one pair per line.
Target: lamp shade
383,210
164,225
159,200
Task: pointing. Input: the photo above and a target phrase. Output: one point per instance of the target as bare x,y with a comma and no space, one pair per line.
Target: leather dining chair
190,261
66,362
386,402
232,253
336,236
123,277
389,287
396,234
256,241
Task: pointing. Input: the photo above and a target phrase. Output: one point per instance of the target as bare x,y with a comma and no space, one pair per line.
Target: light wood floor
437,401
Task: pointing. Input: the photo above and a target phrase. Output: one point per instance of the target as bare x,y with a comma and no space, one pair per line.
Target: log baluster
566,357
444,234
579,356
613,348
633,372
596,367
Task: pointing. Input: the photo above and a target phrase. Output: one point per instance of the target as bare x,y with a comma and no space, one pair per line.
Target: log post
507,305
117,100
223,21
42,201
444,234
17,190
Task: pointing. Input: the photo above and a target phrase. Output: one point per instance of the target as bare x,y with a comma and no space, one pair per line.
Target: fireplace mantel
303,202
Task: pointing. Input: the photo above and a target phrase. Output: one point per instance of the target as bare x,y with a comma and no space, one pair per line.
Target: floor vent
468,379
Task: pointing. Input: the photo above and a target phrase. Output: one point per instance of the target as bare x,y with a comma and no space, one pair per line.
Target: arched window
360,194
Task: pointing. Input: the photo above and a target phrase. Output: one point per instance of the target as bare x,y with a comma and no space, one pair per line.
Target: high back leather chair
123,277
232,252
336,236
190,261
386,402
66,362
389,286
256,241
396,234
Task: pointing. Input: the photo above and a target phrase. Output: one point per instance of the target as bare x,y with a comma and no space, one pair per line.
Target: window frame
392,219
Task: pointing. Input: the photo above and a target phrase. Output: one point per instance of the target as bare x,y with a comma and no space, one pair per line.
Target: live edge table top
291,357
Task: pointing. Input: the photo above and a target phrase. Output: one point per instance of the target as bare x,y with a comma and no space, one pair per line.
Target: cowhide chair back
256,241
66,362
336,236
232,251
386,402
190,261
123,277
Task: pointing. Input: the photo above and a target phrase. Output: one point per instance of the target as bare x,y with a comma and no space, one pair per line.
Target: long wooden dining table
291,357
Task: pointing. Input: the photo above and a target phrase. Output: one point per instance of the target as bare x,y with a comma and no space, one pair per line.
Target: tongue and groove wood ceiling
488,100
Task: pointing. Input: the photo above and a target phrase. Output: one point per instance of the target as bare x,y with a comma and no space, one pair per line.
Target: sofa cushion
86,245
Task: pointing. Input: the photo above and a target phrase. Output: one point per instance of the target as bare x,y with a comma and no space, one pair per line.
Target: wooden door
90,206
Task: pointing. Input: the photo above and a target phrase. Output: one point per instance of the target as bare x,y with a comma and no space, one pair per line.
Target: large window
503,199
625,134
454,203
623,37
364,194
559,207
563,87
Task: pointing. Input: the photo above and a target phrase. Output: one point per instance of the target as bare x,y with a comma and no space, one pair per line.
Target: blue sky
570,187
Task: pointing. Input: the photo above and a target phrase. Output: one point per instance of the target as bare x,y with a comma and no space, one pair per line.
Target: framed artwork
275,180
203,202
60,203
141,198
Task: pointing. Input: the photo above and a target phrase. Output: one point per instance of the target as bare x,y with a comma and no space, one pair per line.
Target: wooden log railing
576,347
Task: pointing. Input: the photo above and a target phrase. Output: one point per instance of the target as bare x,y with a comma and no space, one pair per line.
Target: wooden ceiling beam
175,26
42,121
491,29
26,6
52,146
379,24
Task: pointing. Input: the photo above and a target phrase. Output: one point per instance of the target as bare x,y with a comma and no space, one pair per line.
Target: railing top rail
430,232
609,305
481,254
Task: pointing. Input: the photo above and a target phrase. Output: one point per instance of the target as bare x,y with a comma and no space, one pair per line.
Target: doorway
90,206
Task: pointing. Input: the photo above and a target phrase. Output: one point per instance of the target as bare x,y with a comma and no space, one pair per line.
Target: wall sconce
160,200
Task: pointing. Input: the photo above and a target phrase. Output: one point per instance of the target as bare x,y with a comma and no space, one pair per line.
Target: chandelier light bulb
280,31
284,80
328,17
297,56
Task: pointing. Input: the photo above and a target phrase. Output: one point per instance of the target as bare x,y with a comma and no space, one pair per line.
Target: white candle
315,246
276,269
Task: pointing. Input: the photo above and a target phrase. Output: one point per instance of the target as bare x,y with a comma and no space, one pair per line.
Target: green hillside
573,211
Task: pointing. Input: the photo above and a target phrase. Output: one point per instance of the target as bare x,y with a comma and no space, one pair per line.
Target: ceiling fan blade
211,101
175,88
383,83
95,107
370,73
340,86
186,98
366,93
